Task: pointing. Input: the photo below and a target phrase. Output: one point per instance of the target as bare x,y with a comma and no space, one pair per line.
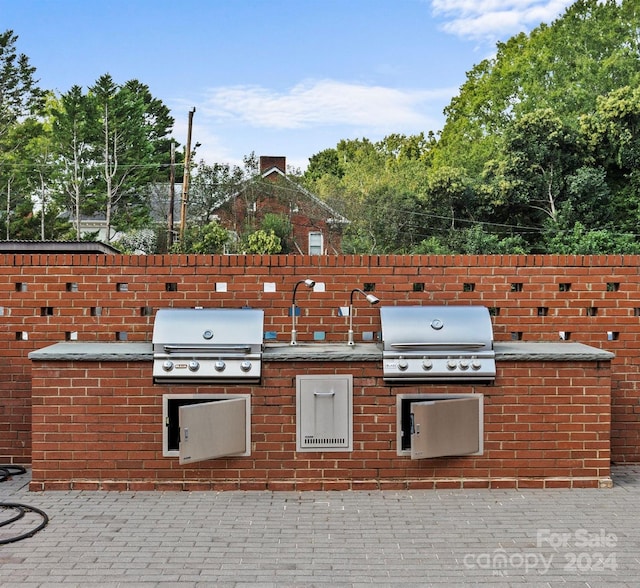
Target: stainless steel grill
437,343
207,345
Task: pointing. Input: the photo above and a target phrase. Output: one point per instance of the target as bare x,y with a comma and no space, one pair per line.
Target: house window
316,245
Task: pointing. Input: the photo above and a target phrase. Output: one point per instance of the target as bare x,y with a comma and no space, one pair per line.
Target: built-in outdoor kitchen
401,395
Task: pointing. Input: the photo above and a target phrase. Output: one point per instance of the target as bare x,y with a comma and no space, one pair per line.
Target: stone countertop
522,351
80,351
505,351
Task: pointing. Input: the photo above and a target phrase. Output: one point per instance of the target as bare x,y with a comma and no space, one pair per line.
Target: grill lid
437,343
201,329
207,345
436,328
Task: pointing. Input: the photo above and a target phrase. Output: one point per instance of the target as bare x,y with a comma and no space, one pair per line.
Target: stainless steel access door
324,412
212,429
442,428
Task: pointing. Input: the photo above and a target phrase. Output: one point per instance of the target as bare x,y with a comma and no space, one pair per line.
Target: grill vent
328,441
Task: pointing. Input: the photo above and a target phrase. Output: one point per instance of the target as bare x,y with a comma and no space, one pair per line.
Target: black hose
22,509
6,471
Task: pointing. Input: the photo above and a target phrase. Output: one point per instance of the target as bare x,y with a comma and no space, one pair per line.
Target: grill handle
435,345
212,349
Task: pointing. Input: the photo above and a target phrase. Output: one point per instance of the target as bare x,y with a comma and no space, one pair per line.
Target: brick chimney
269,161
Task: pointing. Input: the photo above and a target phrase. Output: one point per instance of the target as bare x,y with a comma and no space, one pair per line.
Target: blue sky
275,77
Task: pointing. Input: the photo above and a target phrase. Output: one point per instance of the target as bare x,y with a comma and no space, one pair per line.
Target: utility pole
187,173
172,194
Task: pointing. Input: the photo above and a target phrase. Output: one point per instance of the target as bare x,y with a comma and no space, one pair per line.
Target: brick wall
99,426
49,298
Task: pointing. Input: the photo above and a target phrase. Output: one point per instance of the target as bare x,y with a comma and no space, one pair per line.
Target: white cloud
494,19
307,118
315,113
326,103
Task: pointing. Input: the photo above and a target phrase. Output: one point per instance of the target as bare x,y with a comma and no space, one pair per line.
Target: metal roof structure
57,247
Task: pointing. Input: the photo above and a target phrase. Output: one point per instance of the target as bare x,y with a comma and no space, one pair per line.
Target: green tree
589,200
450,197
399,147
131,126
388,220
612,134
433,246
140,241
379,186
20,95
539,154
262,242
74,132
363,166
324,163
41,170
111,144
588,52
580,241
20,103
157,123
208,238
280,225
476,240
613,130
210,186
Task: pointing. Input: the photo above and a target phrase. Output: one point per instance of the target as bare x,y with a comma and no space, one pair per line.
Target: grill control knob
219,366
245,366
464,364
452,364
475,364
194,366
427,364
167,366
403,364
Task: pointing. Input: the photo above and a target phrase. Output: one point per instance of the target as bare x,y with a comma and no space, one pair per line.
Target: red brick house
315,228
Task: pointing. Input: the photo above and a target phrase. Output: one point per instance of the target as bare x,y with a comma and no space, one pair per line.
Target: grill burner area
207,345
437,343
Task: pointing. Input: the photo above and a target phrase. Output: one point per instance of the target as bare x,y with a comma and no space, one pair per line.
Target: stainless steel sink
322,351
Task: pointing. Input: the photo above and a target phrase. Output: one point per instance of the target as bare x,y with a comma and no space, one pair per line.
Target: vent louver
326,441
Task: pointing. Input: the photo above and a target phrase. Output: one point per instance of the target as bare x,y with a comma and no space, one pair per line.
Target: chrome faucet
294,334
371,299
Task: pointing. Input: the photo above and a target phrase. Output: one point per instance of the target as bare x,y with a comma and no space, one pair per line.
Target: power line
411,213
